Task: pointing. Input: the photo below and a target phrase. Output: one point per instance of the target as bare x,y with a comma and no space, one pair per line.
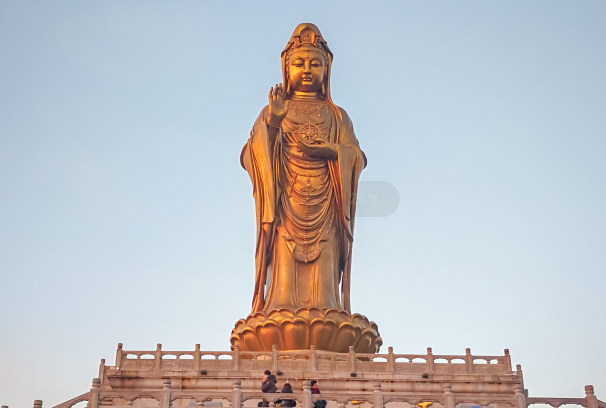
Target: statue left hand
319,148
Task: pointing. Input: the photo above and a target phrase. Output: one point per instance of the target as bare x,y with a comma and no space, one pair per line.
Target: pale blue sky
125,215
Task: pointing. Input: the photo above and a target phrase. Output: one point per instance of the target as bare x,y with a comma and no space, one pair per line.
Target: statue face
306,70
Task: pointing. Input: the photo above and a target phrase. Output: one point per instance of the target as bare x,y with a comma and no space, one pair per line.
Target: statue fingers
271,92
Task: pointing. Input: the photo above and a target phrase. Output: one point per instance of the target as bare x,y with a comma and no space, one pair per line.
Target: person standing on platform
316,390
287,389
268,386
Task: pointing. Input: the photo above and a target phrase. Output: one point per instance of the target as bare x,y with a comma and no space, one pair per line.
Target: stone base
189,379
300,329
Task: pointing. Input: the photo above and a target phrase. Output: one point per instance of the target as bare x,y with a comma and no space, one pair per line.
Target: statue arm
346,172
258,158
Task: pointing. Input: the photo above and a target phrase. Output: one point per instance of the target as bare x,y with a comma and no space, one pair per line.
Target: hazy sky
125,215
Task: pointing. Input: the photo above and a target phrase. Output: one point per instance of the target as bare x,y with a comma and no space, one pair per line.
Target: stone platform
163,379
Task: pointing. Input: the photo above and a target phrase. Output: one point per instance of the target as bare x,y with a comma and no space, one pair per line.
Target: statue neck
306,96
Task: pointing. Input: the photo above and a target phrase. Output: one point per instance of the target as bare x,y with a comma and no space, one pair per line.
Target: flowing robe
305,209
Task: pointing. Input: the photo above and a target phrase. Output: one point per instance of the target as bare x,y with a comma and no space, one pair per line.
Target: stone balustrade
166,397
165,379
312,360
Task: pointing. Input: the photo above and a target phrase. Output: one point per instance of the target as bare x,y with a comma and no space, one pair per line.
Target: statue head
306,62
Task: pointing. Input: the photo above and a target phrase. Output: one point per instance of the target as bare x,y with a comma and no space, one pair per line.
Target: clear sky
125,215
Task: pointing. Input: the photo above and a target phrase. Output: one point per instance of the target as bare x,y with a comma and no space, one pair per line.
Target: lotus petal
347,336
322,333
269,334
295,333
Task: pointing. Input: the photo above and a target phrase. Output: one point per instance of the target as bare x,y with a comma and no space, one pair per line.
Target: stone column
158,357
352,360
312,359
38,404
391,361
274,358
592,400
378,395
102,371
236,395
508,362
93,398
197,358
469,361
449,396
307,394
429,361
237,358
520,398
119,356
165,394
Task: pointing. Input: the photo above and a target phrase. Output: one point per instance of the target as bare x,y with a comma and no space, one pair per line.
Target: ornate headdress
308,36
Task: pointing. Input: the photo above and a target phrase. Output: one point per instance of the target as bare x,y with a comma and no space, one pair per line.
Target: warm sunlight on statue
304,162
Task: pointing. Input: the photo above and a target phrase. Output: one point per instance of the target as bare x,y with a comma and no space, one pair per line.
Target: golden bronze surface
304,162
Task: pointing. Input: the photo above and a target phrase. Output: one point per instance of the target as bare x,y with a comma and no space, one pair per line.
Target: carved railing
74,401
377,398
312,360
236,397
590,400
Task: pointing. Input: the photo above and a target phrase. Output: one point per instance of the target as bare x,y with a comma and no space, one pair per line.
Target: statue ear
288,89
323,89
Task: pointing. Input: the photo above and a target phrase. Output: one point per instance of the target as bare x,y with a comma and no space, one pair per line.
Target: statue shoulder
345,117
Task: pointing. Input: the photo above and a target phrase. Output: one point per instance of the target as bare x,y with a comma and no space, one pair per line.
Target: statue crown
307,37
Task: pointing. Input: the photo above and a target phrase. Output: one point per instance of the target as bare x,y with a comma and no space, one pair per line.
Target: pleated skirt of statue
295,284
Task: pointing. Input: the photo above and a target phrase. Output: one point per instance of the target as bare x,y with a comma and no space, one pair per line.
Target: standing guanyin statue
304,162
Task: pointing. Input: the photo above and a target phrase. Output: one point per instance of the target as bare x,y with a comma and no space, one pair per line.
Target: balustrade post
391,361
236,395
307,394
469,360
165,394
378,395
93,397
592,400
38,404
520,398
102,371
449,396
237,358
508,362
429,360
274,359
158,357
119,357
312,358
197,358
352,360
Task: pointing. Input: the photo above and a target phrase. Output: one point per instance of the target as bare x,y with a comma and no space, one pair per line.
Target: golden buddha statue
304,162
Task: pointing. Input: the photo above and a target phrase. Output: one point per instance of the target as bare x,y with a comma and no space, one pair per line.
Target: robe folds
294,281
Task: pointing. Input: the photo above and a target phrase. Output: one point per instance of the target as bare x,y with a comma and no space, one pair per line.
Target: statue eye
298,62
